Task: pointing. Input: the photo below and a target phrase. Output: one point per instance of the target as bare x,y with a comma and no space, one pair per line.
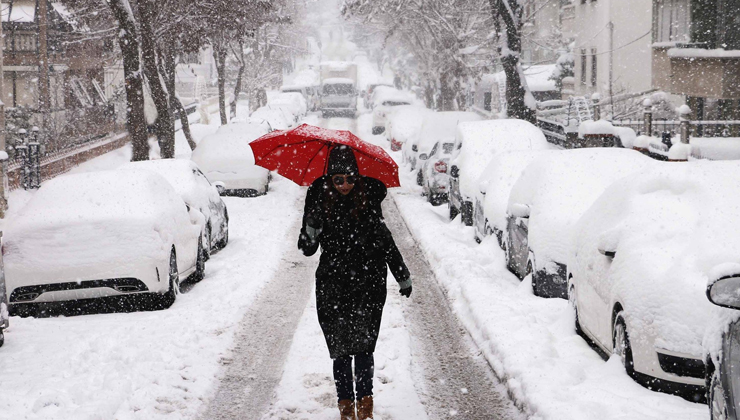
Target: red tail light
441,167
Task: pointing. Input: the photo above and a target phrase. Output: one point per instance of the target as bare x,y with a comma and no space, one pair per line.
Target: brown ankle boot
347,410
365,408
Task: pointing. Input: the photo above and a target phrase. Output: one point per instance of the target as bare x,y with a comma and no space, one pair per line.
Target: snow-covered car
435,181
309,93
227,160
367,94
641,260
198,193
495,184
4,314
403,124
475,145
276,118
385,101
101,234
292,102
722,343
546,201
437,127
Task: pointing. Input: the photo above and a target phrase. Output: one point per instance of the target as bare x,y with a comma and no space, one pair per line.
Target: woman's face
344,183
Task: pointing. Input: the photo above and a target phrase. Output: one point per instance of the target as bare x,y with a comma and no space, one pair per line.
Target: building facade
612,45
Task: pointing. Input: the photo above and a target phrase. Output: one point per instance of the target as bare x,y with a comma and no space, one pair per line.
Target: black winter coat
351,277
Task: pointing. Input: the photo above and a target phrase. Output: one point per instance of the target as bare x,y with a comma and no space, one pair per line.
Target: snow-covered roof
479,141
671,226
560,187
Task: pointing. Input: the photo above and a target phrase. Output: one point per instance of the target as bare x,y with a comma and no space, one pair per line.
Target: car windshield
339,89
448,147
395,103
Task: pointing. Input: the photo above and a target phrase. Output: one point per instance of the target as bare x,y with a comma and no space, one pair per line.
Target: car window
395,103
339,89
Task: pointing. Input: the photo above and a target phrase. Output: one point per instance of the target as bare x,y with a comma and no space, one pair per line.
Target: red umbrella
302,154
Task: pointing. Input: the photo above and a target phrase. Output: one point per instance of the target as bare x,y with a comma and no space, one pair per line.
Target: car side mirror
423,156
220,186
725,292
187,207
454,171
414,148
607,253
519,210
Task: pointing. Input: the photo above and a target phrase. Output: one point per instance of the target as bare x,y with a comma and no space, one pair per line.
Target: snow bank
560,187
479,141
670,226
627,136
498,179
720,148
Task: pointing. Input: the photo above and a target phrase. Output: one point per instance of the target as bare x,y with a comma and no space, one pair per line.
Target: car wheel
200,266
209,237
717,398
453,211
2,337
419,178
574,305
621,344
467,213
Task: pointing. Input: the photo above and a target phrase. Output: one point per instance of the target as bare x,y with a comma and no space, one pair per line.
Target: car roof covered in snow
227,150
441,126
478,141
99,196
560,187
405,121
673,228
184,176
275,117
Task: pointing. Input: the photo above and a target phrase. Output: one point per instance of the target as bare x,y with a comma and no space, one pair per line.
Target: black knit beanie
342,161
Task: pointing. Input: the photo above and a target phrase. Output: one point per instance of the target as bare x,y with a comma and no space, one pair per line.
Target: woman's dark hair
358,194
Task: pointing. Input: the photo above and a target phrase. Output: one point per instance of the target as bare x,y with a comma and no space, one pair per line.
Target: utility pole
44,90
610,26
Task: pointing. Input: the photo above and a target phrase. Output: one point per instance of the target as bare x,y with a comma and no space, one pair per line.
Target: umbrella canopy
302,154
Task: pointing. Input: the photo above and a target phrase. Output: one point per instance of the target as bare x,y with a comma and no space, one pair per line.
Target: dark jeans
364,367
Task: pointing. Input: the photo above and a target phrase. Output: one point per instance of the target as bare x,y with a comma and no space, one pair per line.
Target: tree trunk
510,13
164,123
219,54
239,77
129,44
447,92
169,69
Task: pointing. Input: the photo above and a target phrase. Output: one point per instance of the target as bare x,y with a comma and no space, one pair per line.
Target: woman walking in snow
343,214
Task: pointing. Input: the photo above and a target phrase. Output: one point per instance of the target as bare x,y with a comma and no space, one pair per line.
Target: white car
276,118
641,260
101,234
476,143
437,127
198,193
385,101
545,203
227,160
495,184
293,102
403,124
309,93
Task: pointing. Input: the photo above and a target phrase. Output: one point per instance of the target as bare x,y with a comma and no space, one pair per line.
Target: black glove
406,292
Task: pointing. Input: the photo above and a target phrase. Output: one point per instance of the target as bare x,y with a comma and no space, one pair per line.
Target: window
672,21
487,96
593,67
339,89
583,66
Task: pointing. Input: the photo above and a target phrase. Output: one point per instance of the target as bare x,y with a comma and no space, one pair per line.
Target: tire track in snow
262,344
454,378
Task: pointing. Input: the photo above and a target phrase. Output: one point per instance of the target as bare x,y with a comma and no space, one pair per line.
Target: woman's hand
406,292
